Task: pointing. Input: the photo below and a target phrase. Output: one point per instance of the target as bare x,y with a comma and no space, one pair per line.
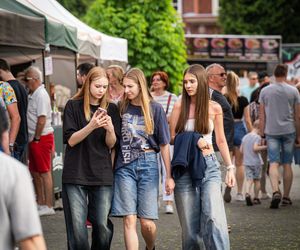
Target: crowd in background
123,136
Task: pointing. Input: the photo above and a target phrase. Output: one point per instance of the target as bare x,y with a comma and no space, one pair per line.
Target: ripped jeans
201,210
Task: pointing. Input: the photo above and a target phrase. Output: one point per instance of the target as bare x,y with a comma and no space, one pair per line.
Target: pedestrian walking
252,160
240,110
115,76
90,131
280,125
144,132
159,85
199,201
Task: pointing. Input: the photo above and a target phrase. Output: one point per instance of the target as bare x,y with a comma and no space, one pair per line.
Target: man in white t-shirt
20,223
41,139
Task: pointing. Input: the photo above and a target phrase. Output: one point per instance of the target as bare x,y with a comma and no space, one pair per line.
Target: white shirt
18,211
39,104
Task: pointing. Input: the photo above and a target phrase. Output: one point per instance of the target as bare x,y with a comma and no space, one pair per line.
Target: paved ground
256,227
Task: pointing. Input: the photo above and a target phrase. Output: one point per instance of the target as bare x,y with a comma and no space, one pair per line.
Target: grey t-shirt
279,100
250,157
18,211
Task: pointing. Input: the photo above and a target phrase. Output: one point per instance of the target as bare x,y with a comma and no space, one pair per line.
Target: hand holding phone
102,111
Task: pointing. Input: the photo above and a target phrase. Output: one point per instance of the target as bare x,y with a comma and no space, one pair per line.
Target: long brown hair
202,102
145,98
94,74
231,86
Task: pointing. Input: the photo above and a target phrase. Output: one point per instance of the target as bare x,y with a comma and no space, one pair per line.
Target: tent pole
46,78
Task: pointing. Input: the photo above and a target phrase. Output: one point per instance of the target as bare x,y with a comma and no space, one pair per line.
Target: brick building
199,16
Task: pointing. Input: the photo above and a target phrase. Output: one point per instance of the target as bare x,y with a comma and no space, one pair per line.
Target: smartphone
102,110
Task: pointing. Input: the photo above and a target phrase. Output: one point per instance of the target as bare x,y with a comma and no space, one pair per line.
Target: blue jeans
281,148
93,202
201,210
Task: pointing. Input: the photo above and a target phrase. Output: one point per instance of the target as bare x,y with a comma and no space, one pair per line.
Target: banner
233,47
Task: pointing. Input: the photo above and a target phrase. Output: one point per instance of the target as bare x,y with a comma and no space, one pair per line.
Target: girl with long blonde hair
144,132
199,200
90,130
241,115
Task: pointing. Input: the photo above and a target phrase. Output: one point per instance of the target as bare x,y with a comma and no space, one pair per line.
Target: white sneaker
265,196
169,209
40,207
239,197
45,210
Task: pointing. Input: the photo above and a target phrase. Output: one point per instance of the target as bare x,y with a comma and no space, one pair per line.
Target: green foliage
153,29
261,17
78,8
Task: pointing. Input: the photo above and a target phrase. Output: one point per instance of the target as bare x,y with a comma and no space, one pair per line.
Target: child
252,161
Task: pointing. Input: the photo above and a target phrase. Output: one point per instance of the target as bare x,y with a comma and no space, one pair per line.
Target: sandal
275,200
286,201
248,200
229,229
256,201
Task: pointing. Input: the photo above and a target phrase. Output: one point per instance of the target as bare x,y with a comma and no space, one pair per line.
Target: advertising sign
234,47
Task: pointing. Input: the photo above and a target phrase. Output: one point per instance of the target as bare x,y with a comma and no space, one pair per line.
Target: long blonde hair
231,86
144,96
94,74
202,102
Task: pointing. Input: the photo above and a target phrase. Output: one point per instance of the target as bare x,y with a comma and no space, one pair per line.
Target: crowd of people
122,136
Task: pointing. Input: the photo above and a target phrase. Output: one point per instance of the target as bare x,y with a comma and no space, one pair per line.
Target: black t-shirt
22,98
255,93
227,119
88,162
242,104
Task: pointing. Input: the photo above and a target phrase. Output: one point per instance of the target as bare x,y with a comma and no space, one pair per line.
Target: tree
261,17
153,29
78,8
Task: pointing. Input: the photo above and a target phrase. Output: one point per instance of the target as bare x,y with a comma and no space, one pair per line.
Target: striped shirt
163,100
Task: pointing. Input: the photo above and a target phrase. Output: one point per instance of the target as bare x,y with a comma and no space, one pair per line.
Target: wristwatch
36,139
11,146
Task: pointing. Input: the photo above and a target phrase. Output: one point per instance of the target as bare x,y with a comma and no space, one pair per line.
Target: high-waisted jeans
93,202
201,210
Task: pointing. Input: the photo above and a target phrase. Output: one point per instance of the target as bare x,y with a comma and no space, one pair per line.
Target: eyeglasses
220,74
27,79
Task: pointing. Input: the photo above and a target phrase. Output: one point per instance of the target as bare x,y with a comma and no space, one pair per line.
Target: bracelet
36,139
230,167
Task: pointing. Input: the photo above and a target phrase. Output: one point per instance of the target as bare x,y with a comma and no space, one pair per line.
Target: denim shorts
281,148
239,133
253,172
136,188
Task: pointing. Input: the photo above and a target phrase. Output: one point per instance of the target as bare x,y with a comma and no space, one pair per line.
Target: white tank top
190,124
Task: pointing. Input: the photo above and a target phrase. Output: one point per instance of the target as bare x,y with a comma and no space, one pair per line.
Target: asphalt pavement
256,227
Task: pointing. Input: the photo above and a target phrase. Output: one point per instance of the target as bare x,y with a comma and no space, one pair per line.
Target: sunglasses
220,74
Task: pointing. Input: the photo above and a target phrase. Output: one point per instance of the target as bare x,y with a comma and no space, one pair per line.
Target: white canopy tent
104,47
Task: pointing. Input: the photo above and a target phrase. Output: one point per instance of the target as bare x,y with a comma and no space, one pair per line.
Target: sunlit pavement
257,227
